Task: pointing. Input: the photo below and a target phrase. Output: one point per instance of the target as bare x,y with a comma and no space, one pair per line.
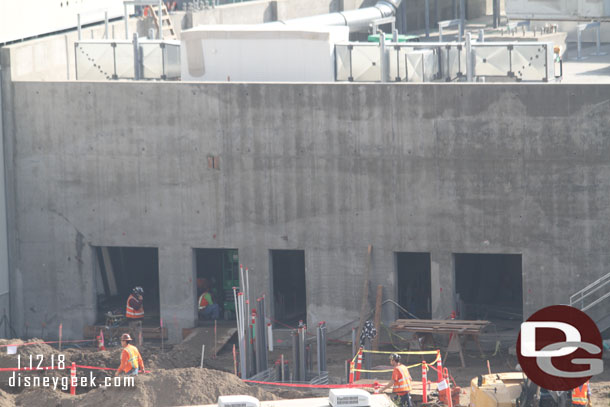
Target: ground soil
176,379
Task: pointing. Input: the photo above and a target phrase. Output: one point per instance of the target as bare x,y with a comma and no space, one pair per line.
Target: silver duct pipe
356,20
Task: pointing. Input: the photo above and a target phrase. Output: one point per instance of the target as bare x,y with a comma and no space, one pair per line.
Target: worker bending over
207,308
131,361
401,381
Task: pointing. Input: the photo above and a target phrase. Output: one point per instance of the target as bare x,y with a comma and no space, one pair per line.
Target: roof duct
356,20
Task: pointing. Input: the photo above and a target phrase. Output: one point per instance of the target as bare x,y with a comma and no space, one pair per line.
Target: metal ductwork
356,20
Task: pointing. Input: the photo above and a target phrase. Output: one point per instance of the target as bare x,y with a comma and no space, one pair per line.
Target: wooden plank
365,292
91,331
378,316
109,271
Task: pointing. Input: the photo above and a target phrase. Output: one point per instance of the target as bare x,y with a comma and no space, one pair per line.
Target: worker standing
134,311
401,381
581,396
131,361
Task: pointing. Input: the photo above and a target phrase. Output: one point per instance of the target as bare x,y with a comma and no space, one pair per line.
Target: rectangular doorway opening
218,271
289,296
120,269
413,284
489,286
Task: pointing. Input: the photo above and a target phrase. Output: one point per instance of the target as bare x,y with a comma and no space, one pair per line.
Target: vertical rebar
295,356
323,337
319,348
256,335
302,365
353,342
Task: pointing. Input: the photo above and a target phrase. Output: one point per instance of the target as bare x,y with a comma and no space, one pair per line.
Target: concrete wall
325,168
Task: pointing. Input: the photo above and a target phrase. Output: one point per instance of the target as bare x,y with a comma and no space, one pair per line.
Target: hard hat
138,290
126,337
395,357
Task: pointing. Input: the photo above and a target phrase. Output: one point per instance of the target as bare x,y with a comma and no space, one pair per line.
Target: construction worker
134,311
207,308
131,361
581,396
401,381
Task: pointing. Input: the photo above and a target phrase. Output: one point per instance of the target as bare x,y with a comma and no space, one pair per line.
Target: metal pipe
106,24
136,57
160,17
597,40
302,365
356,20
578,36
462,18
383,64
319,350
126,18
295,356
469,73
427,17
78,25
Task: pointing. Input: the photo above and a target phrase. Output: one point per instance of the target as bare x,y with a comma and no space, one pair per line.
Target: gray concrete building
325,169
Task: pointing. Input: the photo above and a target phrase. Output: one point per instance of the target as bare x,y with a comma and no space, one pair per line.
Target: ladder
168,32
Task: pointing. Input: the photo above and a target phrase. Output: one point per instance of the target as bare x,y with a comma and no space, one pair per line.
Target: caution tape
385,370
317,386
419,352
14,369
438,356
94,367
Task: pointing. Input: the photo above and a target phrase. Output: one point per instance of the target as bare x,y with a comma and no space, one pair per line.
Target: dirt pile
185,354
162,388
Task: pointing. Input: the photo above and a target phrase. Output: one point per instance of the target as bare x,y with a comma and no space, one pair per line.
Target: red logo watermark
560,348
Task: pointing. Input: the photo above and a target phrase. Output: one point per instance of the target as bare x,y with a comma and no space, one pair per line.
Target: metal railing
447,24
446,61
120,59
578,299
583,27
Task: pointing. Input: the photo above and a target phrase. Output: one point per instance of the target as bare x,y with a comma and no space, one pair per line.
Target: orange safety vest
132,313
579,394
402,384
133,353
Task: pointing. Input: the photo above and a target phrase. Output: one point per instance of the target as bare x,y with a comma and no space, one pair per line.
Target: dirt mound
185,354
6,399
161,388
